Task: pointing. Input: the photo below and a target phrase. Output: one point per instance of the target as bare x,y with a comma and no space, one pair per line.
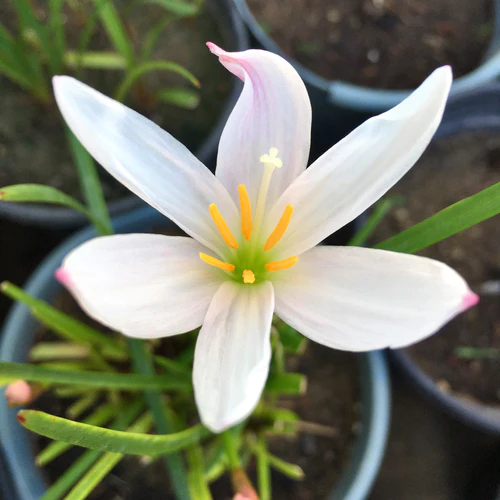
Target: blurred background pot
475,112
340,106
25,481
234,35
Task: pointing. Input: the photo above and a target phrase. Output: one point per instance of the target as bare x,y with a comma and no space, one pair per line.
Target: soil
390,44
32,142
450,170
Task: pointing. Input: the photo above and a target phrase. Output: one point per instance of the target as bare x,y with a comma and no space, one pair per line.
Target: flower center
248,262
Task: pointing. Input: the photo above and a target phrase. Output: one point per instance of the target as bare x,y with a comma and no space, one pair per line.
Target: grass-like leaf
10,372
287,383
447,222
102,439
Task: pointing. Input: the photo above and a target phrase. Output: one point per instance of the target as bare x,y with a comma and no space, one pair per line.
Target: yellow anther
225,266
222,226
280,228
246,212
280,265
272,158
248,276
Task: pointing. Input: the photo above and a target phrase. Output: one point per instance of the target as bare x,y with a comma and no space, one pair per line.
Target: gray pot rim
55,217
18,334
371,100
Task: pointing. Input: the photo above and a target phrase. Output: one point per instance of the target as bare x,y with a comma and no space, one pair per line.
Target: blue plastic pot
344,105
471,112
235,38
25,481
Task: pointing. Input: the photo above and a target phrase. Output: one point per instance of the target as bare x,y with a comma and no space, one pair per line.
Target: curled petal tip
471,299
62,276
215,49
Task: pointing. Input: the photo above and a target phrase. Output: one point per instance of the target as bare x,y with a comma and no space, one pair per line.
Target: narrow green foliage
263,470
180,97
65,326
91,185
468,352
287,383
99,417
176,7
104,465
380,210
44,351
447,222
292,340
127,382
102,439
198,485
94,60
82,464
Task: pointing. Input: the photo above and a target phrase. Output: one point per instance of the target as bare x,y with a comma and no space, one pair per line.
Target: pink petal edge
63,277
471,299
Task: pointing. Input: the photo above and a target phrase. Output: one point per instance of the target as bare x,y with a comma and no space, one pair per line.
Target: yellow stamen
225,266
280,228
280,265
248,276
222,226
246,212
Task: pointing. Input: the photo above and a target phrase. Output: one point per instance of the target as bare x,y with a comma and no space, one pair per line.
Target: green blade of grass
94,60
287,383
82,464
91,185
447,222
198,485
180,97
176,7
10,372
64,325
102,439
148,66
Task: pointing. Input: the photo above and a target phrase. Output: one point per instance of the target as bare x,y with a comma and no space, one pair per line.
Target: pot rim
355,481
55,217
367,99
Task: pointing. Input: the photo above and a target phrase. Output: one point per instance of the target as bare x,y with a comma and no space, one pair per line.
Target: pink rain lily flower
255,226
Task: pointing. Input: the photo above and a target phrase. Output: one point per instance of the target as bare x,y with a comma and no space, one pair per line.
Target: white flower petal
359,299
143,285
358,170
273,111
146,159
233,353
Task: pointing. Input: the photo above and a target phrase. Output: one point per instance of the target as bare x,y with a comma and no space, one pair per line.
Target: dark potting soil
33,147
450,170
391,44
330,407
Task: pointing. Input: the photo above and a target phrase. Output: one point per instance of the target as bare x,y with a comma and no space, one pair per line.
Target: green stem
143,364
263,470
231,447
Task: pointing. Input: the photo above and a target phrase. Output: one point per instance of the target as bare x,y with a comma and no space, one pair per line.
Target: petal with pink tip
273,111
142,285
147,160
359,299
358,170
233,352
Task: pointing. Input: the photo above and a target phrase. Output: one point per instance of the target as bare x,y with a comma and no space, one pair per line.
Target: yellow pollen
225,266
222,226
272,158
280,228
280,265
246,212
248,276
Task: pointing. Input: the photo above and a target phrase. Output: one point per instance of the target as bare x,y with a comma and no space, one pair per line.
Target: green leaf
291,339
104,465
128,382
447,222
99,438
148,66
91,185
173,366
164,424
198,486
44,351
263,470
94,60
64,325
287,383
56,448
179,8
468,352
82,464
116,30
180,97
379,212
